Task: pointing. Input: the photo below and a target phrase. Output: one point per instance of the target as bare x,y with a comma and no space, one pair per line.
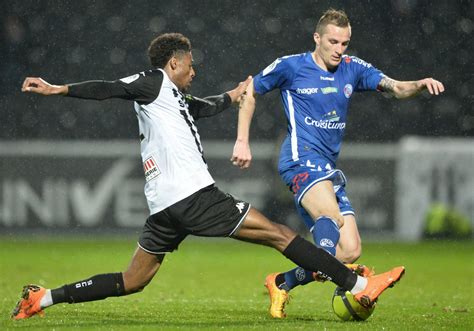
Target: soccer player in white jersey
179,190
316,88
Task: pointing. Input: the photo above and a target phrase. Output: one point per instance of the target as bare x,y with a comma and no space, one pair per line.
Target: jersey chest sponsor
325,124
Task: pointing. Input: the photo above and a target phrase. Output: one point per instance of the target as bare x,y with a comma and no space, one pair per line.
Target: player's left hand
241,156
432,85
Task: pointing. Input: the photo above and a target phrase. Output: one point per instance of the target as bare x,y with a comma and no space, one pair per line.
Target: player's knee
350,253
134,284
339,220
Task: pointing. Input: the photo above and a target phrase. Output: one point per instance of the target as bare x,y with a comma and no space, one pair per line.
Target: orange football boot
278,297
376,284
360,269
29,303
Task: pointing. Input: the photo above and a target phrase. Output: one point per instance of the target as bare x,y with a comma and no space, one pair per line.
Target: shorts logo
240,206
297,180
150,168
348,90
325,242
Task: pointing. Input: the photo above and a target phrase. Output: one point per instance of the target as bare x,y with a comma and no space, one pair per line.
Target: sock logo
300,274
326,242
84,284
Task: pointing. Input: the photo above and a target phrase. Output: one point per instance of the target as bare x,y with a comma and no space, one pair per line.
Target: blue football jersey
315,101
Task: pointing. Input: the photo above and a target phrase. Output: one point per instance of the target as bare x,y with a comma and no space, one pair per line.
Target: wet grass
214,284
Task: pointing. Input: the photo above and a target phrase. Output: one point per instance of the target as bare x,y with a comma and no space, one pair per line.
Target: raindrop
466,25
37,55
67,119
76,55
195,24
272,25
157,24
115,23
198,56
76,23
232,25
117,55
428,26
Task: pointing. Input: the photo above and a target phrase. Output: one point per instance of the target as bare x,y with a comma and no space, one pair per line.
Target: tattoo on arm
387,85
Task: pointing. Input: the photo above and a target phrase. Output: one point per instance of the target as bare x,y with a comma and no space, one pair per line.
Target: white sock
46,300
360,285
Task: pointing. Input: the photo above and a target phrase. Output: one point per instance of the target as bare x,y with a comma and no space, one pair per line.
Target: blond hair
332,16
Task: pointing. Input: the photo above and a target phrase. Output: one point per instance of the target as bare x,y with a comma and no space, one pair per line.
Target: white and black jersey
171,149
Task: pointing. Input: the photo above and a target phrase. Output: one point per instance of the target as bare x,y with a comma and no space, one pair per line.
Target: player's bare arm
241,155
40,86
406,89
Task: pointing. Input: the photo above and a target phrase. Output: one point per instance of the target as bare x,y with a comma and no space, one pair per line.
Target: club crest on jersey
150,168
331,116
348,90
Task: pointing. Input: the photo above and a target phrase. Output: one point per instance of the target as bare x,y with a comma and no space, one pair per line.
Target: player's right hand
241,156
40,86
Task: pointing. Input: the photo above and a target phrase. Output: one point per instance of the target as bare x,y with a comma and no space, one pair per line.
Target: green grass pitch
214,284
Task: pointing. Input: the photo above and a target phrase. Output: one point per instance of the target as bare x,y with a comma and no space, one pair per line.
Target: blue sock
295,277
326,234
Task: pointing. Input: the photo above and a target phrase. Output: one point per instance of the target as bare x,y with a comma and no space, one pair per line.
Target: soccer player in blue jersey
316,88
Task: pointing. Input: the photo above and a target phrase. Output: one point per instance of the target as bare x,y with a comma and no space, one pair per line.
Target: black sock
279,279
97,287
313,258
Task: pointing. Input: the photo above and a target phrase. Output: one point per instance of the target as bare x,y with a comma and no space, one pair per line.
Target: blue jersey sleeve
369,77
273,76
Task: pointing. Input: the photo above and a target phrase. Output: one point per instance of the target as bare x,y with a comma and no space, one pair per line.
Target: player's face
332,44
184,73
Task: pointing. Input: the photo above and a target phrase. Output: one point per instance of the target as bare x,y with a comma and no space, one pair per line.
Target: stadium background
70,41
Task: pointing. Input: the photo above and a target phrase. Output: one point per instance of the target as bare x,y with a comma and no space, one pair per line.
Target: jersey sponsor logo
270,68
348,90
328,90
326,242
325,124
307,90
240,206
359,61
150,168
129,79
326,78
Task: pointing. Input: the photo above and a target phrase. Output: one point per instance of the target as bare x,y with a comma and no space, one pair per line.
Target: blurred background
74,164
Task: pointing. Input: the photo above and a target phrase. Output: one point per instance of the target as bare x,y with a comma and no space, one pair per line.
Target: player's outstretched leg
34,299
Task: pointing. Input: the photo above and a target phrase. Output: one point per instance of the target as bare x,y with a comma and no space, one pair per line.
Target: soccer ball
347,308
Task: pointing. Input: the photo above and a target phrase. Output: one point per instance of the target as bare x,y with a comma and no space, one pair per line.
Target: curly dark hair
165,46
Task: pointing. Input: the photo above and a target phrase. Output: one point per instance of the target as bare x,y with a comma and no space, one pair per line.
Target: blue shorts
305,173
